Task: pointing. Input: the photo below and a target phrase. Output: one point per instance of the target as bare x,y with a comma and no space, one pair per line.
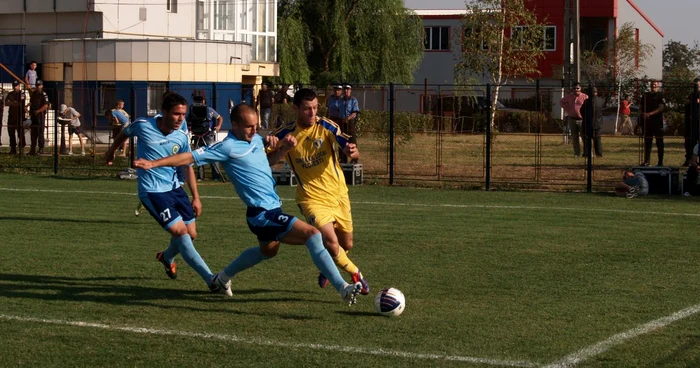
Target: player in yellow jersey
321,194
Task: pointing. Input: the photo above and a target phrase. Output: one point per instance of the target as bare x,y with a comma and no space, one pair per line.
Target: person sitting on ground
633,184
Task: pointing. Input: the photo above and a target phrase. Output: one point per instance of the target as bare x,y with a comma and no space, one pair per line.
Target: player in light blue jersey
180,172
160,190
245,160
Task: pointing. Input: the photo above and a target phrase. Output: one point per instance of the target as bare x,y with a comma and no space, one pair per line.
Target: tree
501,40
678,55
623,63
375,41
680,68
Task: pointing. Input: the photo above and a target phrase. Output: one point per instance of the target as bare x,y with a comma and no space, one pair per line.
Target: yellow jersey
314,160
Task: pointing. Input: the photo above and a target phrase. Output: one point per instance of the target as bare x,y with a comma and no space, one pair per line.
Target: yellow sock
343,262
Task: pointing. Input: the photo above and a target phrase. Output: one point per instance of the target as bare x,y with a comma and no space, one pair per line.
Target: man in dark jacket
38,104
651,116
16,104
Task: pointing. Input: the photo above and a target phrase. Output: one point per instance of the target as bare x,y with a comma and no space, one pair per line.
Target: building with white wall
92,52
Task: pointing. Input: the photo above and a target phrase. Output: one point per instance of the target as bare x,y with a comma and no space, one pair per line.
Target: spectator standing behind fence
652,107
73,127
120,119
349,113
598,105
624,126
38,104
688,131
31,77
281,97
571,104
334,103
16,104
264,102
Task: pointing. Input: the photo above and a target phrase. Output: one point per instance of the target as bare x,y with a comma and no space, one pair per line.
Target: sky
676,18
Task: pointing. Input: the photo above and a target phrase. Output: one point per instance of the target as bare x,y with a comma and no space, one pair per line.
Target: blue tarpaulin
13,57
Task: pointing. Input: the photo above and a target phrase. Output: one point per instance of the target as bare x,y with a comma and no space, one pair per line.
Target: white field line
482,206
279,344
603,346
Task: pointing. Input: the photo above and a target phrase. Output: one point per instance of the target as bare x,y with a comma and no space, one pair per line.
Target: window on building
171,5
436,38
549,36
155,97
202,16
224,15
244,14
108,96
467,35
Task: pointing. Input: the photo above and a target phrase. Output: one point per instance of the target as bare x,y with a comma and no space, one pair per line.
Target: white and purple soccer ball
390,302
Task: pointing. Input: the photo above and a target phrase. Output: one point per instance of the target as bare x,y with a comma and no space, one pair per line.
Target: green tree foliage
322,41
502,40
681,64
617,69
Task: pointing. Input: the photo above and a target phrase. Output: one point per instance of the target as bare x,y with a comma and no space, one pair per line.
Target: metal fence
430,134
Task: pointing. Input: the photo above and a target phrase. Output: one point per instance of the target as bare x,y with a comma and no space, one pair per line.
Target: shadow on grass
58,219
107,290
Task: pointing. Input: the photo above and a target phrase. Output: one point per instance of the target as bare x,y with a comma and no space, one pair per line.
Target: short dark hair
172,100
238,111
32,62
303,94
117,102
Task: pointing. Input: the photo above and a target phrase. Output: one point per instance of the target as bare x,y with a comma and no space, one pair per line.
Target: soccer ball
390,302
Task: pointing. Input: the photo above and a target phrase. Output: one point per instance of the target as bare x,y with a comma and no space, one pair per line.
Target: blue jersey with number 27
152,144
247,166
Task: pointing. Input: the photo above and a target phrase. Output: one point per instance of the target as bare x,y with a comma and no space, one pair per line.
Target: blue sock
249,258
324,262
190,255
170,253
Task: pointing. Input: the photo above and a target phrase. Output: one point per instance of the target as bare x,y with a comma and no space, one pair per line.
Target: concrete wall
122,19
438,66
653,66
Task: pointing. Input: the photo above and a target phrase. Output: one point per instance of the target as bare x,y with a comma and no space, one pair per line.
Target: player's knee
269,250
193,233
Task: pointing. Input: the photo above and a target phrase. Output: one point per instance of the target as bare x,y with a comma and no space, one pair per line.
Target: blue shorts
169,207
269,225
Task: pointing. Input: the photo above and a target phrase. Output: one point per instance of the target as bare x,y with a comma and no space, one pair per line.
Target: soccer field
491,279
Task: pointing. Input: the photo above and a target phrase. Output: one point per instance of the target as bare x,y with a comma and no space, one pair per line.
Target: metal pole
55,136
577,40
132,151
488,137
567,43
694,133
391,133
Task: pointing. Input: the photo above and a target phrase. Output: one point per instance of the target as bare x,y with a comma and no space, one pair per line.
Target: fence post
132,151
391,133
588,120
55,134
694,136
488,136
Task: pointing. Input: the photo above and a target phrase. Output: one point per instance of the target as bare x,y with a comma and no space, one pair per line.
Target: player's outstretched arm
281,148
351,151
181,159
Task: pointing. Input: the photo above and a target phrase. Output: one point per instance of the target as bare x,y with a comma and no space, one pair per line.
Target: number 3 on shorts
282,218
165,215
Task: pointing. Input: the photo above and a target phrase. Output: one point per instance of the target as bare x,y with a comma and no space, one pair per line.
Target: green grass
507,276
